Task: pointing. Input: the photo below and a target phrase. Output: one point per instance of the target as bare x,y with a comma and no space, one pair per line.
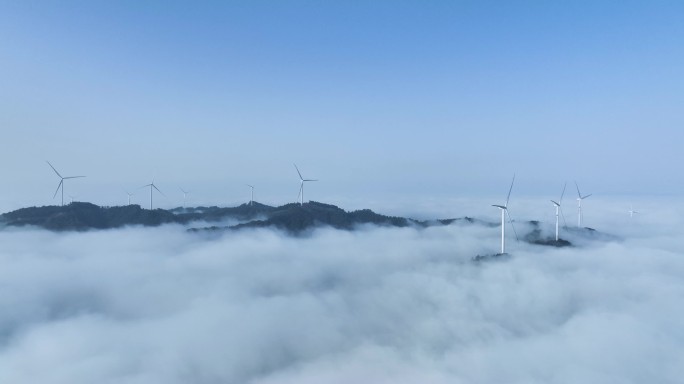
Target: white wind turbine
632,211
185,195
61,182
251,199
152,186
579,205
129,196
301,186
504,212
559,209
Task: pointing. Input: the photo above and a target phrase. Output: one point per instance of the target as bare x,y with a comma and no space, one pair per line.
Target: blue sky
395,99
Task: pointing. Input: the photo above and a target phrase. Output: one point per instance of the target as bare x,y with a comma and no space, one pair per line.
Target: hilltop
79,216
292,218
295,218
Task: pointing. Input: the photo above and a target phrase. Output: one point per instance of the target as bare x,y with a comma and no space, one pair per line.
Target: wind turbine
632,211
129,196
251,199
152,186
61,182
579,205
185,195
559,209
301,186
504,212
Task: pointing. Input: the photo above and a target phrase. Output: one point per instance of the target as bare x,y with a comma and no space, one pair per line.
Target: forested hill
293,217
84,216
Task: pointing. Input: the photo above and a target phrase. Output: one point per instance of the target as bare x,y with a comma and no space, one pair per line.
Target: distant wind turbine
504,212
559,209
632,211
152,186
61,182
579,205
129,196
251,199
185,195
301,186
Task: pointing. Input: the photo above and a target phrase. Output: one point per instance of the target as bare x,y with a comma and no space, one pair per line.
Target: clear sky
395,99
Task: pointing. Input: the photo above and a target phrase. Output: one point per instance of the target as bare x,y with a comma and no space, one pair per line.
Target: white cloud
382,305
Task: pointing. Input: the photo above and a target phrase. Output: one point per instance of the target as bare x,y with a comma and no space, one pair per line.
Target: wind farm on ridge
506,218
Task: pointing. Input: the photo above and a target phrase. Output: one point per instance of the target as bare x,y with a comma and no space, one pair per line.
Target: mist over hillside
381,304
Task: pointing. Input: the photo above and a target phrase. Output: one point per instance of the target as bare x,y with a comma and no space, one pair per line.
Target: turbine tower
301,185
251,199
558,208
61,182
504,212
579,205
152,186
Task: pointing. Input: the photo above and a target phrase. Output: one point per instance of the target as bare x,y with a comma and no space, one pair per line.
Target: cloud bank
381,305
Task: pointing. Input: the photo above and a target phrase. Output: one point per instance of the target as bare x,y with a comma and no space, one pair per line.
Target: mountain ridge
292,218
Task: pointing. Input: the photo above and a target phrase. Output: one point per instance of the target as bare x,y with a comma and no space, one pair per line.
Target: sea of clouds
376,305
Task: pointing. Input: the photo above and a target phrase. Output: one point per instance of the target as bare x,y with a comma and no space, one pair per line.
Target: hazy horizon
403,99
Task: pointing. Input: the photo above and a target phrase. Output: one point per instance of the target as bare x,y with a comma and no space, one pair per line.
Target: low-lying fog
378,305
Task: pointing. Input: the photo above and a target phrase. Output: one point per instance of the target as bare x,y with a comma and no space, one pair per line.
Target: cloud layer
382,305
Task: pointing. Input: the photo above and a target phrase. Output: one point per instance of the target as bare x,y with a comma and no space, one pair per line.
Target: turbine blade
587,196
58,187
509,191
309,180
299,173
510,220
565,224
554,203
300,191
578,191
53,168
73,177
562,193
155,187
